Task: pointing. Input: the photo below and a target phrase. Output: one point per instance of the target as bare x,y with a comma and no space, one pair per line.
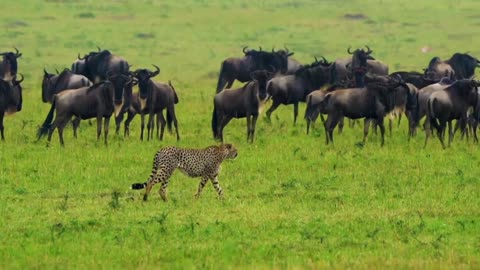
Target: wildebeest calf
240,103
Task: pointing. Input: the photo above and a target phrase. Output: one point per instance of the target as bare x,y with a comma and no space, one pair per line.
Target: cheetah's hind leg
203,182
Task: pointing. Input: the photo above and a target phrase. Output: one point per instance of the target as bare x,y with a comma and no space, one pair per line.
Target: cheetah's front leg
217,187
200,186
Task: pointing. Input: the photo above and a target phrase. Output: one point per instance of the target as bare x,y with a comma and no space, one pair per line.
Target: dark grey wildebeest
99,101
55,83
360,62
99,65
9,64
451,102
372,102
235,68
242,102
459,66
416,78
10,100
292,89
154,98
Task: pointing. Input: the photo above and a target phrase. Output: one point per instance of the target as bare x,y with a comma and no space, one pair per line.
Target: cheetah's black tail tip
139,185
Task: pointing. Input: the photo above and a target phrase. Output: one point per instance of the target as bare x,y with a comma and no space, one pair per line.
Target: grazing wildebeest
459,66
10,100
100,100
372,102
154,98
53,84
9,65
234,68
292,89
240,103
416,78
452,102
98,65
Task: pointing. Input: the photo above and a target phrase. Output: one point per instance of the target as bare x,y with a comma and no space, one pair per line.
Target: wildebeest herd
100,84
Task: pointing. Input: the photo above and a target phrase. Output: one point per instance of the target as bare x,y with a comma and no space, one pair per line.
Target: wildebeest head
270,61
121,84
143,76
261,77
9,63
359,59
49,80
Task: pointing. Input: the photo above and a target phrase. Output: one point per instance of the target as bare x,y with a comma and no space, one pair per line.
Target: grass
290,201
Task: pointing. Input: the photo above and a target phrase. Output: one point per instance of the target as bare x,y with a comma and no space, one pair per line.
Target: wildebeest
422,96
315,108
9,65
53,84
360,62
292,89
452,102
98,65
10,100
372,102
234,68
240,103
154,97
459,66
100,100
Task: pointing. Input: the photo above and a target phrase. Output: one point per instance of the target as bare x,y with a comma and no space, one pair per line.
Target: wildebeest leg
332,121
118,122
390,125
142,125
441,132
341,123
222,123
150,126
1,125
399,119
99,126
251,121
450,133
130,117
162,121
75,123
105,128
272,108
366,126
60,127
382,129
249,124
295,112
474,130
202,184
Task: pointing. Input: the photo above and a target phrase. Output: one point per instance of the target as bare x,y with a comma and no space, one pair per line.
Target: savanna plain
290,201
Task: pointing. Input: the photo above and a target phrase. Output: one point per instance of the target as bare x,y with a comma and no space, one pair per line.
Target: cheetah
205,163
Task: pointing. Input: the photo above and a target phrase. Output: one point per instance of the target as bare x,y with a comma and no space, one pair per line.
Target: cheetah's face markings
229,151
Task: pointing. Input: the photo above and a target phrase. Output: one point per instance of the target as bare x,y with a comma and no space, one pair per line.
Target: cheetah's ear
228,146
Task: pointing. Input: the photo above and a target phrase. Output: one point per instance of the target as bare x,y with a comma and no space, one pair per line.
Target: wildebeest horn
316,60
324,60
348,50
260,47
245,49
369,51
156,72
57,70
17,52
286,49
21,80
45,72
98,48
80,58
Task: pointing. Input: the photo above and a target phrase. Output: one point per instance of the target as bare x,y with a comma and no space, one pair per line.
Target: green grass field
290,201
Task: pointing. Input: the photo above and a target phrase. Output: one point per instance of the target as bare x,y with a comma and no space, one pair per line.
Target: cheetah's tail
139,185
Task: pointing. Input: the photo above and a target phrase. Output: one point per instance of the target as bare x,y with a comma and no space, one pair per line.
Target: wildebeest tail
308,108
43,130
431,115
139,185
214,122
220,79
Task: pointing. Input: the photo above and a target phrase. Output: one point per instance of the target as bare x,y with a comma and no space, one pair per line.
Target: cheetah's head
229,151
